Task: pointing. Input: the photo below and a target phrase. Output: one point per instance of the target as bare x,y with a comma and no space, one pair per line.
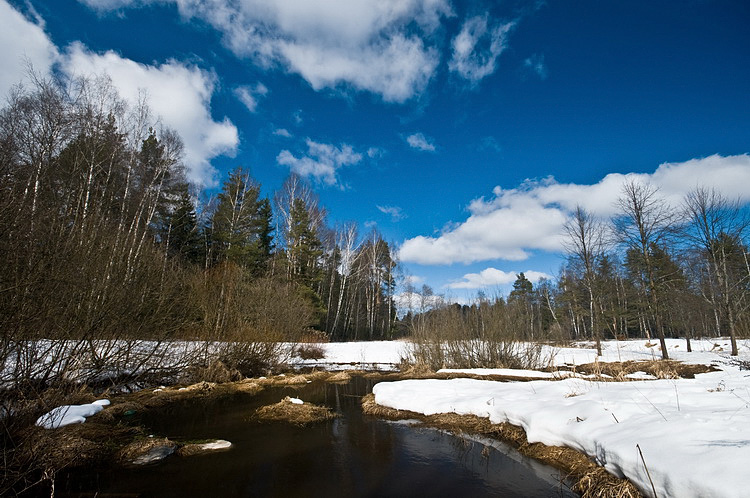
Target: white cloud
380,46
536,64
516,221
394,212
492,277
22,40
477,47
105,5
419,141
282,132
180,94
321,162
249,95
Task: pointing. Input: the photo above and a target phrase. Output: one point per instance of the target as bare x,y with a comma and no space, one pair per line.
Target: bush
311,352
482,336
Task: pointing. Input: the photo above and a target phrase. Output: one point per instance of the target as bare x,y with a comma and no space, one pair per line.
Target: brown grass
140,447
76,445
591,480
661,369
192,449
339,377
286,411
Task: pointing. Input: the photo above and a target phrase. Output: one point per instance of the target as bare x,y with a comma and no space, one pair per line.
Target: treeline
105,246
652,271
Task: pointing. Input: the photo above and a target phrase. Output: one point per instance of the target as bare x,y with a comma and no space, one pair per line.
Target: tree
183,237
585,243
646,221
522,289
239,233
304,247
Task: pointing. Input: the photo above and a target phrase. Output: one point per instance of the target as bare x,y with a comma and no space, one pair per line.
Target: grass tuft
298,414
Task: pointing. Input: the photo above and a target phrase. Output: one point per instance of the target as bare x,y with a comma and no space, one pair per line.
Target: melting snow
70,414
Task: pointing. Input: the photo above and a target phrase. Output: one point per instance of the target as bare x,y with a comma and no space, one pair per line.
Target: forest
652,271
110,254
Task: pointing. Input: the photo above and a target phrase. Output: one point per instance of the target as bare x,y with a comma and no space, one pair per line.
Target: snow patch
70,414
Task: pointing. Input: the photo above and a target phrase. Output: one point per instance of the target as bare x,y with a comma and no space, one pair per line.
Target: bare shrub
311,352
482,336
250,325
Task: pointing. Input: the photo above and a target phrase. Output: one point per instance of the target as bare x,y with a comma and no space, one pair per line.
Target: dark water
351,456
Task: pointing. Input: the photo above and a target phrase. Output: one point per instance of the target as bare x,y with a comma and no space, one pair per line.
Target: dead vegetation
661,369
146,450
589,479
296,413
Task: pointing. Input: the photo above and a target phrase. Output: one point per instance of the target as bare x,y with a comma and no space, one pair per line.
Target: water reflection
351,456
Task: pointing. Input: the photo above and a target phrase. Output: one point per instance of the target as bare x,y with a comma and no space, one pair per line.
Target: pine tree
235,224
184,238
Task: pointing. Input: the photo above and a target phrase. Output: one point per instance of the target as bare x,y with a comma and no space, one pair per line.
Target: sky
465,132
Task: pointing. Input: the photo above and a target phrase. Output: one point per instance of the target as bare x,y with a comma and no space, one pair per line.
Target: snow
377,355
219,444
70,414
694,434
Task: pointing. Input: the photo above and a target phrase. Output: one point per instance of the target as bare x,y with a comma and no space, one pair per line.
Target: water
351,456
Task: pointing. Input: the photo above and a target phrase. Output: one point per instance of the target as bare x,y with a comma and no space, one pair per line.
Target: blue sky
465,131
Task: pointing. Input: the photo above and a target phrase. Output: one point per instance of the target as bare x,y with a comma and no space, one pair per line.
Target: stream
352,456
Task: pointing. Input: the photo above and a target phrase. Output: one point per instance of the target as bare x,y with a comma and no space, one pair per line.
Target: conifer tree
184,237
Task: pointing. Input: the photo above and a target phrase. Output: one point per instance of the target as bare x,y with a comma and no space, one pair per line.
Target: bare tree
585,243
646,221
717,228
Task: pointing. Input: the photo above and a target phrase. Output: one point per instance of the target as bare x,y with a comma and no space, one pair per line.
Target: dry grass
591,480
247,386
339,377
76,445
298,414
661,369
141,447
192,449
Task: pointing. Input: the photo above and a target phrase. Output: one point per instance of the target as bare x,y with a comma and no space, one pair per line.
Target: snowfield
694,434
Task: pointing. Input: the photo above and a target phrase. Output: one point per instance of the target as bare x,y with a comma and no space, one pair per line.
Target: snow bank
70,414
694,433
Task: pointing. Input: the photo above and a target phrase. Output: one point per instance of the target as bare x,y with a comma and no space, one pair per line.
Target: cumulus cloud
394,212
516,221
380,46
179,93
249,95
321,162
22,40
420,142
477,47
492,277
